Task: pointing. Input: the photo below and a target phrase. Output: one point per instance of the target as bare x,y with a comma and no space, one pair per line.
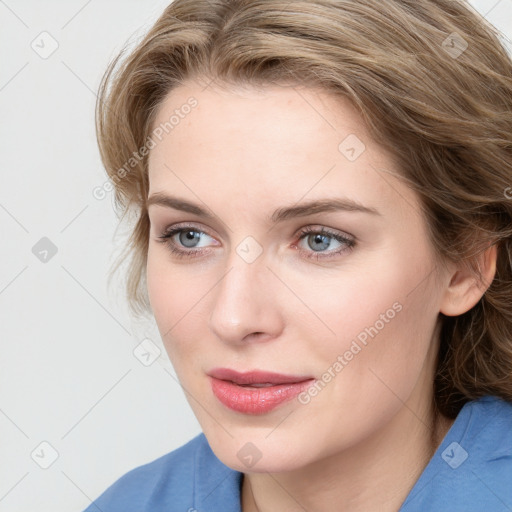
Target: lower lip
255,400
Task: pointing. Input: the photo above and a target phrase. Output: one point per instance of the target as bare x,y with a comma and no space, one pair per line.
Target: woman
323,234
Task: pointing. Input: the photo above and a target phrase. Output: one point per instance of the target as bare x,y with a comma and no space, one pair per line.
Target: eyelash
350,243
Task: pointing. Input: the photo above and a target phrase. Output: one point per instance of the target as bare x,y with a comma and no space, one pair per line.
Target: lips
255,392
255,377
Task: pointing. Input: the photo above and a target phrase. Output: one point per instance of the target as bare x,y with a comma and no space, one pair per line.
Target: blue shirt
471,471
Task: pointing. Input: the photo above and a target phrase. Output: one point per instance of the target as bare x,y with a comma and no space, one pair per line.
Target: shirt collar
217,488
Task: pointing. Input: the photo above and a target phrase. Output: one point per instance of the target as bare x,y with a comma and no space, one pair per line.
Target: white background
68,375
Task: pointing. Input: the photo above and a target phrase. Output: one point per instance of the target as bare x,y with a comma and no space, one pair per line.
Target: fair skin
362,442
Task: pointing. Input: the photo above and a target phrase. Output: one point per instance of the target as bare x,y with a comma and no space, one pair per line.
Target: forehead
277,140
285,112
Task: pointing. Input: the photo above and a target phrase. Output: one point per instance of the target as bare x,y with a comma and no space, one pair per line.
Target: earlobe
464,289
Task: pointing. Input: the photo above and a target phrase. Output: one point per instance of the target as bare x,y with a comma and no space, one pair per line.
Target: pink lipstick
255,392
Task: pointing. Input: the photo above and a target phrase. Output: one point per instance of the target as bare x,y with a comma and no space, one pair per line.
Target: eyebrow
279,215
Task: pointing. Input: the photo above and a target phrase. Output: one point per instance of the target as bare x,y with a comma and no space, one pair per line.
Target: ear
464,289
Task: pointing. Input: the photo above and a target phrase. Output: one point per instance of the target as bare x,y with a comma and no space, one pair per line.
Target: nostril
254,336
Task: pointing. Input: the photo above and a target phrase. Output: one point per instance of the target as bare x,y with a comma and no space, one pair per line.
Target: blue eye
188,236
318,240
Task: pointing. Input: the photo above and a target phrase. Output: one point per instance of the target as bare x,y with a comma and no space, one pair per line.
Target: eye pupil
320,239
190,236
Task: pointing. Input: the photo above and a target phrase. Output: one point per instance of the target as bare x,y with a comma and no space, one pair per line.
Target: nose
246,304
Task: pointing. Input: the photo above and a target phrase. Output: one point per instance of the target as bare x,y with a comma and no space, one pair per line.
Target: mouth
255,392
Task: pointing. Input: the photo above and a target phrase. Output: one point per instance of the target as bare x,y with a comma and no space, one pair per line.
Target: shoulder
485,479
472,468
489,433
170,483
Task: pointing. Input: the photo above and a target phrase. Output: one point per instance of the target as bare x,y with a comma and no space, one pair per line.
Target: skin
242,153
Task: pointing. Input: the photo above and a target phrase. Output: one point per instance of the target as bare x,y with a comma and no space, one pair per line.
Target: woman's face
346,318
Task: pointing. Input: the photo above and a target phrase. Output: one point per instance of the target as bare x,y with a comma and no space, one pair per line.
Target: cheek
382,357
345,303
168,293
178,298
380,318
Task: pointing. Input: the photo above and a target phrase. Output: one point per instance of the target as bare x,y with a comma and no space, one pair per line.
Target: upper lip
256,377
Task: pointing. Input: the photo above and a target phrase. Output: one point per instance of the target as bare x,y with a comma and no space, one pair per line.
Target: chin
254,451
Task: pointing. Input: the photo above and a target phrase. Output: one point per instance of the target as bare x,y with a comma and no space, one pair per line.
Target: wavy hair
433,83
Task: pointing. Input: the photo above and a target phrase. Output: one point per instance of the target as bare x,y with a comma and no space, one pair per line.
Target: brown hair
433,84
